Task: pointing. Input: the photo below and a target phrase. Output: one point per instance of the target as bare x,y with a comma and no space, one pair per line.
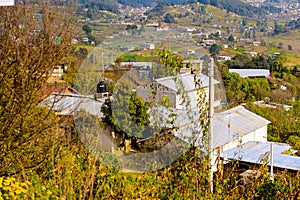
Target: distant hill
235,6
240,8
109,5
146,3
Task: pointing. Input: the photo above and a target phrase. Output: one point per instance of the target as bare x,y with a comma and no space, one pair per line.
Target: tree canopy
26,61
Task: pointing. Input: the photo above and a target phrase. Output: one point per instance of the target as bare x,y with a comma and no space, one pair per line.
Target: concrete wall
257,135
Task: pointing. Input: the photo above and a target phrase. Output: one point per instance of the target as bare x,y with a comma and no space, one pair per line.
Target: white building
148,46
190,51
223,58
251,73
57,71
252,54
231,129
138,65
175,90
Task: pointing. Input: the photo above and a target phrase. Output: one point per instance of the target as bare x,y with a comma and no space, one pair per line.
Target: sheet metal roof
254,152
251,72
234,123
227,126
137,64
66,104
187,81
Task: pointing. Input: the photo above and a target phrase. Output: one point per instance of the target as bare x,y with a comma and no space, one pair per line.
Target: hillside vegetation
43,155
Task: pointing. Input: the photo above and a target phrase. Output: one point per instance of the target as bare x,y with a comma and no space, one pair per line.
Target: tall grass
73,173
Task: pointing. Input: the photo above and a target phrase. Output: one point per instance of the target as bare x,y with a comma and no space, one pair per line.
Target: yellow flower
7,182
11,194
28,182
23,184
18,192
6,188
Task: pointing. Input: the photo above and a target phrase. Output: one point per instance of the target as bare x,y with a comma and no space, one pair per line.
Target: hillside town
150,100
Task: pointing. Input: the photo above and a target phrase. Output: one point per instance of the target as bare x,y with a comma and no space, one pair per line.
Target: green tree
90,13
132,28
214,50
91,37
87,29
277,64
231,39
244,22
127,114
138,110
169,18
278,29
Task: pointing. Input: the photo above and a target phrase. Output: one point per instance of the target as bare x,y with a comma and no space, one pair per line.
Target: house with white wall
230,129
174,88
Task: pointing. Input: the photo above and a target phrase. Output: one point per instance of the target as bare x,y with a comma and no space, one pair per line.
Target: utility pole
210,130
271,159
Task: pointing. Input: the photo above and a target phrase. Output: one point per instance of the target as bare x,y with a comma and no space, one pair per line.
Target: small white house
223,58
57,71
148,46
190,51
252,54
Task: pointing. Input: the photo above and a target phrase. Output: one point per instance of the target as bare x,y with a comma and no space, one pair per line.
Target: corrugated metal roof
251,72
254,152
66,104
234,123
227,126
187,81
136,64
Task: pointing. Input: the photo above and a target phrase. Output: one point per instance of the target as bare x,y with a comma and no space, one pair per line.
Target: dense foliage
26,61
148,3
239,7
74,174
108,5
285,125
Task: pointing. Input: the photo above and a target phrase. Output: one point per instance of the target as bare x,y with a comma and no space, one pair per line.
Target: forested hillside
109,5
136,3
240,7
234,6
